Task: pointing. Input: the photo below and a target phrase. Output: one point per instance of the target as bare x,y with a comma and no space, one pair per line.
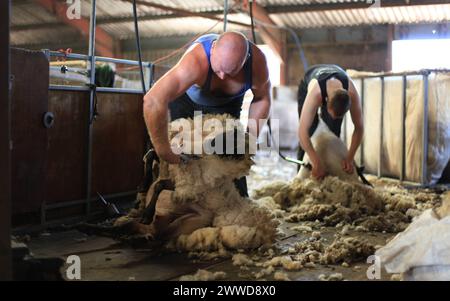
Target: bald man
212,77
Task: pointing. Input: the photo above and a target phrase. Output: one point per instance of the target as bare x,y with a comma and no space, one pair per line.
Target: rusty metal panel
67,145
49,164
30,72
118,143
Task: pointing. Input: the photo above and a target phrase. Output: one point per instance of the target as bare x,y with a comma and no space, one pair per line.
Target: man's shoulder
314,91
195,56
195,51
257,53
313,86
259,65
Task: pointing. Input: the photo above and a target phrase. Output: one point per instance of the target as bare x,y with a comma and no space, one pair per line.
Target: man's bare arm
174,83
309,112
259,108
261,103
357,119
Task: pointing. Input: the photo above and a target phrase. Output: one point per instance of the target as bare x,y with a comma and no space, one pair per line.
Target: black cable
294,35
296,38
270,141
138,46
251,21
95,113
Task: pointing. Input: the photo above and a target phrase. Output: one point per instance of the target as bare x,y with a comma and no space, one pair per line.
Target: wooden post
274,37
5,149
283,64
390,38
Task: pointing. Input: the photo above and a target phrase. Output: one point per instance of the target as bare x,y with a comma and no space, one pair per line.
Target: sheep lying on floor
331,150
197,204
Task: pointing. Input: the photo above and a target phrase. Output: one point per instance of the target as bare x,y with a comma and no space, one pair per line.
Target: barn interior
80,182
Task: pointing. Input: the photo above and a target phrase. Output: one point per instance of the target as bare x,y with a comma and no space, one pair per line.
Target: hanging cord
93,87
359,169
294,35
178,50
251,21
225,15
277,149
189,43
271,141
138,46
186,45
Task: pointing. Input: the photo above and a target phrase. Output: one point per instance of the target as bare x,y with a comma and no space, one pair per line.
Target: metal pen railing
425,73
91,60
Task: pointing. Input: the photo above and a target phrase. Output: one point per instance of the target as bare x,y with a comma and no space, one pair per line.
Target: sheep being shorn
331,151
201,209
340,198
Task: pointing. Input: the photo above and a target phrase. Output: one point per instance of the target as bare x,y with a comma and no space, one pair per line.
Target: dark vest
322,73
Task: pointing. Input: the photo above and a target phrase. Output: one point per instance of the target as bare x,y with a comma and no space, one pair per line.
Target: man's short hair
340,103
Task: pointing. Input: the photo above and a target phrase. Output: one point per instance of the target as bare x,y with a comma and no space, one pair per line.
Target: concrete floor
105,259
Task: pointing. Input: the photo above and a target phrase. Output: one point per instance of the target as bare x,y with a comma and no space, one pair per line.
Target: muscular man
329,88
212,77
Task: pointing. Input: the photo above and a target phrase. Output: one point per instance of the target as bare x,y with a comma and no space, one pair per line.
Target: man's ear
213,47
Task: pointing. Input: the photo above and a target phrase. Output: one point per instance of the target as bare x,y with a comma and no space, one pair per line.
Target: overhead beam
127,18
274,37
270,9
270,34
390,38
112,20
100,21
184,12
261,15
130,18
316,7
104,42
24,27
73,43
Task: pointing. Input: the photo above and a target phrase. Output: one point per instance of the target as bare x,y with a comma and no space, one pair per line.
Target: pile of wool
399,198
204,275
340,198
240,259
348,250
341,250
388,207
307,254
329,191
204,211
281,276
284,261
331,277
444,210
331,201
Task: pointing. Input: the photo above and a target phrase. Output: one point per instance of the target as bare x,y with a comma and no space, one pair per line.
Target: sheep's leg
152,198
188,223
172,219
